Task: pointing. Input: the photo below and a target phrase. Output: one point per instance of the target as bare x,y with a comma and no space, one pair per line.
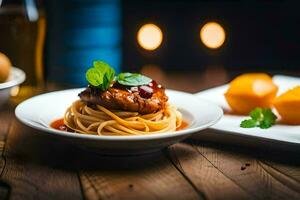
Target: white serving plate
38,112
231,123
16,77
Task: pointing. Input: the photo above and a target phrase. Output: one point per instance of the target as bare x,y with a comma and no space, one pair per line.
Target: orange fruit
249,91
288,106
5,66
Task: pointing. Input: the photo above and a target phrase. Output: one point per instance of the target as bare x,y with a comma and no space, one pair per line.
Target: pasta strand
101,121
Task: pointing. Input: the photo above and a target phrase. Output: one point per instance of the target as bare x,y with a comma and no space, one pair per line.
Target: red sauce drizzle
60,125
182,126
145,91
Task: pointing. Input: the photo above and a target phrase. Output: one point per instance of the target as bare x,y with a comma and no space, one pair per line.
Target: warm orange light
212,35
149,36
14,91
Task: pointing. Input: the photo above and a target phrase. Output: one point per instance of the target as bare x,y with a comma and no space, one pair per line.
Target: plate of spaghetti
128,113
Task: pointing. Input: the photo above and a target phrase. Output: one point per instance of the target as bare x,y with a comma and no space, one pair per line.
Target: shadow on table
26,145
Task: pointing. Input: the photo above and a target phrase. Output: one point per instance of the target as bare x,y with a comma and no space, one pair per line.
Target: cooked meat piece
143,99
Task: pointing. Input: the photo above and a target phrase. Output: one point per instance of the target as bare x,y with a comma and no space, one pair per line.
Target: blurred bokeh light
149,37
14,91
212,35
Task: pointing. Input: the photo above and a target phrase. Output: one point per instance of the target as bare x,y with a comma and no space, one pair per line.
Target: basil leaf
100,75
110,74
106,84
94,77
133,79
101,65
108,71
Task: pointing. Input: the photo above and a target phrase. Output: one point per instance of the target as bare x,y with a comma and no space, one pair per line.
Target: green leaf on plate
260,117
248,123
133,79
100,75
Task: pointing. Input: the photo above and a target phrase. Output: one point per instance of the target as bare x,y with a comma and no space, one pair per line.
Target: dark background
260,35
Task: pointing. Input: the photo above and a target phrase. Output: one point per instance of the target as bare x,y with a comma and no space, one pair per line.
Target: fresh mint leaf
265,124
269,115
260,117
100,75
268,120
256,114
248,123
133,79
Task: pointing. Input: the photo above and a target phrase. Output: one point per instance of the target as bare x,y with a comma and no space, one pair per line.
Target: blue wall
79,32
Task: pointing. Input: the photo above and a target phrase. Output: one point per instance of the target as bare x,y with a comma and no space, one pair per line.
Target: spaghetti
98,120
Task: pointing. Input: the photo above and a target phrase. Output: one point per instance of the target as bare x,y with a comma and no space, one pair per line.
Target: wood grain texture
141,177
247,171
38,167
5,121
209,181
290,170
288,163
287,180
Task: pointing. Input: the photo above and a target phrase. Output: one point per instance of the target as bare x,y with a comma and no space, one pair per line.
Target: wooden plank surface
139,177
39,167
209,181
247,171
5,122
288,181
291,170
288,163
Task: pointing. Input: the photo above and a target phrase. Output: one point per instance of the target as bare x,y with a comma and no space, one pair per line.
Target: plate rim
18,76
219,115
252,136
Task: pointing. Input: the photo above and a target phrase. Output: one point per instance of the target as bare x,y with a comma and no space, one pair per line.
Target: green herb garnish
260,117
100,75
133,79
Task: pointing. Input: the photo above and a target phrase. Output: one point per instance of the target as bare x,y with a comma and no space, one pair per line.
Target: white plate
38,112
231,123
16,77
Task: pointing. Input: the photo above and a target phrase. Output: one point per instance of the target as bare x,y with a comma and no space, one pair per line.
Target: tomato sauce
182,126
60,125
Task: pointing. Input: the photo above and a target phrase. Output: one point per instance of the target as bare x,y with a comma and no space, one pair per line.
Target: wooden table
36,166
